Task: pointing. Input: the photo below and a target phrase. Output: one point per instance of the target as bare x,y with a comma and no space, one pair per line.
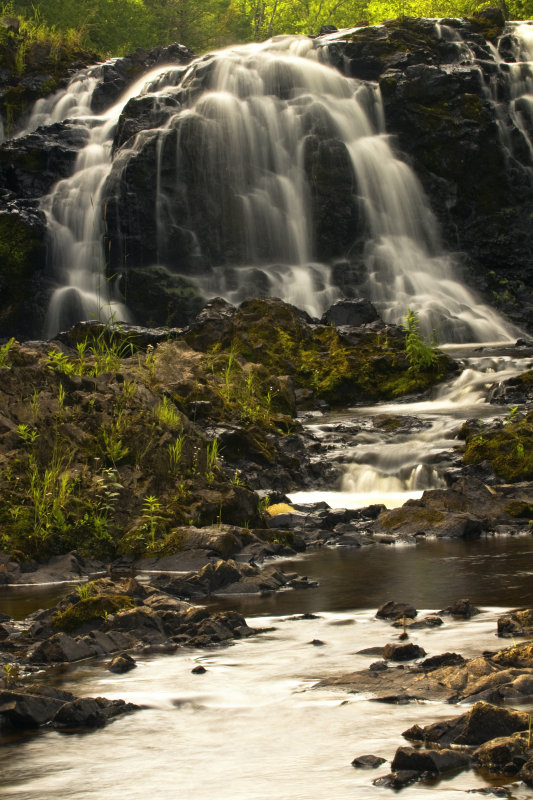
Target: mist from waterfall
250,124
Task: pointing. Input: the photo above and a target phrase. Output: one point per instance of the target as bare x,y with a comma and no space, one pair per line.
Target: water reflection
431,574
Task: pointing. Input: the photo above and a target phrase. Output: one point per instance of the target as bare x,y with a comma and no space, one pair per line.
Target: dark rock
526,773
199,670
397,780
59,648
486,722
393,610
462,609
350,312
505,754
443,660
122,663
367,762
434,762
516,623
403,652
81,713
27,709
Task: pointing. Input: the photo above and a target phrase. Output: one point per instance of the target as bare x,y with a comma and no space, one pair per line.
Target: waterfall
234,186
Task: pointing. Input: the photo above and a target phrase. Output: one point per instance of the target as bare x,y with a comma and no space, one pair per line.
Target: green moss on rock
89,610
508,449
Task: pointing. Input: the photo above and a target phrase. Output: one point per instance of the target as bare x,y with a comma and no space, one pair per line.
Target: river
253,727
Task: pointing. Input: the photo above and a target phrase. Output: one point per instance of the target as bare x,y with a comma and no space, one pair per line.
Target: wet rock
403,652
397,780
199,670
461,609
393,610
367,762
482,723
431,621
442,660
526,773
350,312
28,708
59,648
505,754
520,655
81,713
122,663
516,623
433,762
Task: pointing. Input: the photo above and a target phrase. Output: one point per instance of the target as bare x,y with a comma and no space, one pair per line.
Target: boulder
367,762
393,610
504,754
122,663
81,713
403,652
350,312
59,648
27,709
433,762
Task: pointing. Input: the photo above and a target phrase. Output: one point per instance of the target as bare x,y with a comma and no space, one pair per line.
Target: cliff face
456,108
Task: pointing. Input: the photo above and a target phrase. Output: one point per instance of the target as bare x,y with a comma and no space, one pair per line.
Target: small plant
61,397
167,414
211,460
35,404
113,448
60,362
150,512
27,434
512,415
263,505
5,363
420,355
236,479
129,389
85,590
11,675
175,452
520,451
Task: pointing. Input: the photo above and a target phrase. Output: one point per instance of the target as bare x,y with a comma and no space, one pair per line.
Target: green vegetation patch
508,449
90,609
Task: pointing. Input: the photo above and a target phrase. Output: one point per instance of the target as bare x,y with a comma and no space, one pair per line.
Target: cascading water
521,81
234,175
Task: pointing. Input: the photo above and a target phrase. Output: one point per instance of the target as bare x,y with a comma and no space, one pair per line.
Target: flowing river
253,727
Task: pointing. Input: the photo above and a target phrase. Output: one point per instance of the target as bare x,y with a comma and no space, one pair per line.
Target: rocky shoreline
490,737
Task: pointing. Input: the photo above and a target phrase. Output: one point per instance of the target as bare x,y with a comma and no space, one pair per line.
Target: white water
390,468
521,82
260,104
250,728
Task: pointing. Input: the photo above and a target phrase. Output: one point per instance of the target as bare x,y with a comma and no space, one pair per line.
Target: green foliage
175,451
150,513
5,362
420,355
166,413
27,434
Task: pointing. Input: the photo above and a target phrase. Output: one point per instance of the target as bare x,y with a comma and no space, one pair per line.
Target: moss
508,449
319,358
89,610
20,256
398,517
518,508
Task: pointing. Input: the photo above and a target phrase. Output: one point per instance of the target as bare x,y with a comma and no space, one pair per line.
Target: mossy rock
508,449
22,259
410,516
90,609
